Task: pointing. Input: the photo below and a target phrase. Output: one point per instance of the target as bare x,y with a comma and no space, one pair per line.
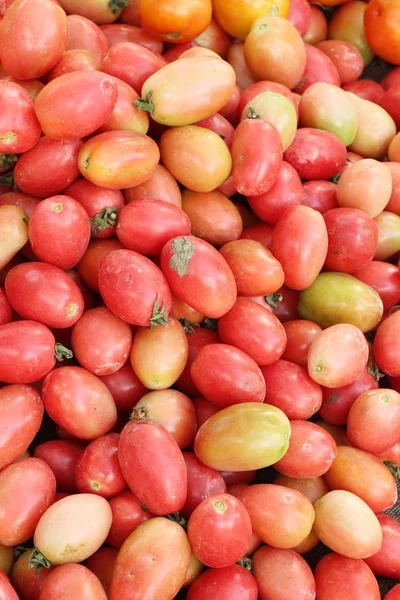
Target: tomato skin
347,525
26,581
72,579
74,60
313,488
125,387
173,22
265,86
125,115
93,413
18,56
290,388
202,482
84,34
157,554
19,127
219,530
5,308
319,68
394,593
136,302
196,340
89,265
386,562
386,348
228,583
198,274
33,343
101,564
337,402
160,185
279,516
372,118
366,185
345,578
163,491
299,334
98,11
316,154
270,566
260,232
346,58
319,195
61,456
54,299
262,429
7,591
121,32
128,513
300,243
106,159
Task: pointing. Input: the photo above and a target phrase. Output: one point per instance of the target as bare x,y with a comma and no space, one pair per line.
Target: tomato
160,185
388,235
386,562
72,579
299,334
372,117
313,488
394,593
185,314
346,58
300,15
272,41
316,154
27,580
265,86
236,59
196,340
277,110
19,127
214,38
61,456
33,343
101,564
366,185
98,11
14,232
175,22
238,20
220,125
366,89
386,346
118,270
254,330
59,222
319,69
347,24
280,517
339,298
152,562
228,583
5,308
358,583
243,437
380,30
337,402
93,412
84,34
347,525
202,482
74,60
319,195
318,28
393,205
39,20
89,265
127,514
6,559
97,470
117,33
6,590
290,388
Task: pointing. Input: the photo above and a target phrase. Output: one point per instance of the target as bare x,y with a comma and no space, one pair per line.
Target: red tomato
271,567
72,579
199,275
127,514
19,127
61,456
7,591
313,488
366,89
299,334
196,340
118,32
101,564
337,402
300,243
88,267
227,583
319,195
93,412
220,125
256,156
319,67
386,345
384,278
59,223
316,154
259,233
27,580
160,185
163,489
125,115
84,34
33,343
300,15
5,308
39,20
219,530
125,387
394,593
386,562
204,410
202,482
74,60
345,578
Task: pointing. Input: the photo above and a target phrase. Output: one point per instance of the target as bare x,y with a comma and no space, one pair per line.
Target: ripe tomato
98,11
93,412
163,489
27,580
233,582
384,278
277,110
127,514
72,579
196,340
5,308
202,482
300,16
318,28
6,589
319,68
153,561
160,185
89,265
316,154
299,334
61,456
14,232
319,195
118,32
372,117
388,235
73,528
243,437
358,584
125,387
101,564
84,34
213,37
175,22
346,58
19,127
236,58
74,60
386,348
382,36
313,488
347,525
386,562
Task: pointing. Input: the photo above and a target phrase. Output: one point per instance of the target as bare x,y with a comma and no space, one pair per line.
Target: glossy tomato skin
196,340
300,243
386,562
202,483
69,579
141,283
5,308
160,185
101,564
127,514
54,299
175,23
26,580
83,33
233,583
19,127
219,530
152,562
33,343
74,60
163,490
319,68
199,275
299,334
125,387
88,267
346,578
61,456
121,32
316,154
254,330
346,58
386,348
319,195
91,415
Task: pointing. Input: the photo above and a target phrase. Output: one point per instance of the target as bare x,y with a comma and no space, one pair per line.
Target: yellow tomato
236,18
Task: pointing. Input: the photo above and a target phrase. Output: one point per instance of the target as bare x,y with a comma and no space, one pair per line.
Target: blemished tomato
373,423
118,32
26,580
175,22
72,579
379,491
127,514
73,528
101,564
93,412
233,582
33,343
346,58
163,489
160,185
345,578
89,265
98,11
290,388
271,41
347,525
280,517
386,562
61,456
299,335
313,488
54,298
153,561
270,569
319,195
366,185
19,127
243,437
14,232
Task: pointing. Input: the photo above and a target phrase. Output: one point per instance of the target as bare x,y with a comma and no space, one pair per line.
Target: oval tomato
19,127
125,387
196,340
316,154
14,232
127,514
177,22
70,579
386,346
313,488
367,185
202,483
121,32
61,456
234,582
98,11
160,185
6,589
319,195
319,69
300,334
359,583
89,265
84,34
346,58
386,562
26,579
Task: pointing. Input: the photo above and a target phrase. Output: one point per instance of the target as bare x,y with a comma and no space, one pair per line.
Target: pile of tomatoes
199,293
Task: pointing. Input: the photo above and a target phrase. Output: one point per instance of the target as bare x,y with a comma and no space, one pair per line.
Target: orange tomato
382,28
175,21
237,18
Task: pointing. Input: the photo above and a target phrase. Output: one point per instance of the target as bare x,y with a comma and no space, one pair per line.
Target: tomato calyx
273,299
159,315
209,324
183,252
251,113
176,518
246,563
8,160
336,178
393,468
103,220
116,5
188,327
145,103
139,415
38,561
175,35
62,353
374,370
8,179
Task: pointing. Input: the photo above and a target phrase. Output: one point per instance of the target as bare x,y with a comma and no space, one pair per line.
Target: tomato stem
393,468
159,315
246,563
103,220
336,178
209,324
38,560
373,370
117,5
8,179
273,299
61,352
176,518
188,327
8,160
145,103
252,113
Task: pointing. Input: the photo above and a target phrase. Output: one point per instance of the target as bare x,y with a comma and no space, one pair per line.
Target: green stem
336,178
209,324
252,113
188,327
61,352
176,518
273,299
145,103
38,560
393,468
116,5
246,563
159,315
103,220
8,160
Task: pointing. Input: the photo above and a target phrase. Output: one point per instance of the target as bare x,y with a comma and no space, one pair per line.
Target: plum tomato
313,488
319,69
319,195
84,34
6,589
200,337
14,232
346,58
88,267
347,578
233,582
19,127
61,456
72,579
386,562
202,482
386,346
26,579
299,333
5,308
366,185
160,185
127,514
